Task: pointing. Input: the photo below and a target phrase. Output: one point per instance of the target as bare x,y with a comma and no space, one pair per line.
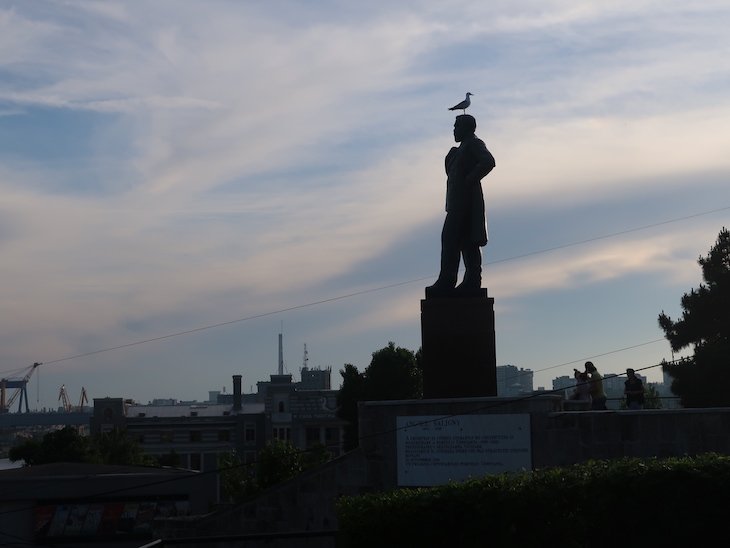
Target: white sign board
434,450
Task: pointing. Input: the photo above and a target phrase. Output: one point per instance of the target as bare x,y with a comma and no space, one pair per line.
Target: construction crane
82,400
20,385
63,398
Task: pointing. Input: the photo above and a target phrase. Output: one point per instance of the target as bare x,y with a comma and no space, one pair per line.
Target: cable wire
375,289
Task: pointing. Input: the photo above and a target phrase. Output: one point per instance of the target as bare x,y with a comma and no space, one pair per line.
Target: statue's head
464,126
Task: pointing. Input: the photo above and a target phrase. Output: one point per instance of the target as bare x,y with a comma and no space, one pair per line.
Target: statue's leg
472,265
450,252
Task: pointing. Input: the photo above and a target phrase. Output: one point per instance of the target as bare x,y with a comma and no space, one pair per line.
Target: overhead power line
379,288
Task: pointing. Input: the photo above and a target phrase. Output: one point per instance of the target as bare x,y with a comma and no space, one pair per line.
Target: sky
184,182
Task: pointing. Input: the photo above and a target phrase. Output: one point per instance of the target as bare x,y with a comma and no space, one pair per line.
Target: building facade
513,381
195,435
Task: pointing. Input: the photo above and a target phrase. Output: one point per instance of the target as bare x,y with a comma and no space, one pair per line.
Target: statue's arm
485,161
450,158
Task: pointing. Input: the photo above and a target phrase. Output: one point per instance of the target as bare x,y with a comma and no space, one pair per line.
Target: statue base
458,344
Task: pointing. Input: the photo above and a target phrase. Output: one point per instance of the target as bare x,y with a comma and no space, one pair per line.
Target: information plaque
434,450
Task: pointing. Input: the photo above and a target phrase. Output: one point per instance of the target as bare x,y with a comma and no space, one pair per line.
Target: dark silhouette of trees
703,380
351,392
65,445
394,373
277,462
68,445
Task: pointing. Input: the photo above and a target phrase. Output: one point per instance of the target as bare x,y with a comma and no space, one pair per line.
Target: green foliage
704,379
592,504
277,462
238,480
394,373
114,447
652,399
65,445
68,445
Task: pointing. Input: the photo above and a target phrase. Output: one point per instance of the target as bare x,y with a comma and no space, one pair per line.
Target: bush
599,503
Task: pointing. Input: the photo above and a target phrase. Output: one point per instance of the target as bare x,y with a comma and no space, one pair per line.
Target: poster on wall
107,519
435,450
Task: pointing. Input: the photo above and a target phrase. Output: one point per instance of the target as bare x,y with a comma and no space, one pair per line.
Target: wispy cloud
236,153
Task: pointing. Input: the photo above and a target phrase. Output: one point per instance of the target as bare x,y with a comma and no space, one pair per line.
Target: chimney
236,392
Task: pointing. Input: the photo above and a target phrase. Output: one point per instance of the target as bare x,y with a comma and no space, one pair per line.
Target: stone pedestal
458,345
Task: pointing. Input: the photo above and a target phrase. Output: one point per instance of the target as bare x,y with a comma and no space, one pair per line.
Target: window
195,435
224,435
249,433
282,433
195,461
281,407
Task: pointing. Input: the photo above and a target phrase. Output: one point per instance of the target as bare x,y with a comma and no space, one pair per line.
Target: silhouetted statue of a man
465,227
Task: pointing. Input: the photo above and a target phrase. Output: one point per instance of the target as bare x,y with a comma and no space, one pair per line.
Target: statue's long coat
469,161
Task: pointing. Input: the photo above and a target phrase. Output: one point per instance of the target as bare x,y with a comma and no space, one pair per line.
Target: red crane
63,398
82,400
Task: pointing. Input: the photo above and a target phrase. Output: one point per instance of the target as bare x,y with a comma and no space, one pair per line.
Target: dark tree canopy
275,463
703,380
394,373
67,445
351,392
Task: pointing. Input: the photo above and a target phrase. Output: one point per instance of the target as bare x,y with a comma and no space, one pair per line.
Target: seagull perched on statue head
464,104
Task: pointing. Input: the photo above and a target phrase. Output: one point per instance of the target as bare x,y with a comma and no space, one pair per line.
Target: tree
67,445
394,373
64,445
351,392
277,462
703,380
238,479
114,447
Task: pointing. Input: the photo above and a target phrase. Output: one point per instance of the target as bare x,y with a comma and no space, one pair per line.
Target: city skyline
182,185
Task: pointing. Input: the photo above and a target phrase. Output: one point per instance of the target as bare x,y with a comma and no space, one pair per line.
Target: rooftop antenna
305,361
281,354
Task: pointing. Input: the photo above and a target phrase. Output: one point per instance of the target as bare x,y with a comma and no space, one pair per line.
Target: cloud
239,159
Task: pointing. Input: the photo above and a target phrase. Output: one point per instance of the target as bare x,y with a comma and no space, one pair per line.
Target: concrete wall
558,437
571,437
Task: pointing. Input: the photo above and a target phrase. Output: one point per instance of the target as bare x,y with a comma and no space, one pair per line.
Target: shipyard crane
20,385
63,398
82,400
